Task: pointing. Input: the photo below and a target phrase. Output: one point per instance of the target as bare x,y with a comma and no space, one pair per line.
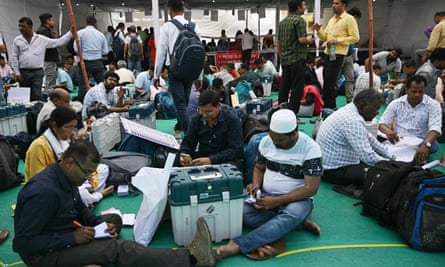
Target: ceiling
117,5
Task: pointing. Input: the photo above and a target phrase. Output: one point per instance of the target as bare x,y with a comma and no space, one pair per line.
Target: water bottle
332,53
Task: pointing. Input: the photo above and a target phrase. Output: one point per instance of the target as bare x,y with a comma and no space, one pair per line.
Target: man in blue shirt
217,130
93,45
54,228
143,83
64,79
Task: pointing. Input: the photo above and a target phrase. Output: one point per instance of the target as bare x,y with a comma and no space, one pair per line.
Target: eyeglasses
88,174
70,128
207,112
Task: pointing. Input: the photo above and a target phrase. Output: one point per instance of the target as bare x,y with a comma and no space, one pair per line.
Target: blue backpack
421,209
187,59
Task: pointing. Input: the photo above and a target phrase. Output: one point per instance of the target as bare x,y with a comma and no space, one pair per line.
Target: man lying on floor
287,172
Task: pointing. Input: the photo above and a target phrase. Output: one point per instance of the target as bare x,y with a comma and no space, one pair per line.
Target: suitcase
215,192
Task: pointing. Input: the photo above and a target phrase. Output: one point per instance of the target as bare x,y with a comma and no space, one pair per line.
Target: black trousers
293,81
95,69
346,175
245,56
33,78
330,76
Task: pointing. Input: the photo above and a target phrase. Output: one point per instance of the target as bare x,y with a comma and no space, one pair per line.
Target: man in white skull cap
285,178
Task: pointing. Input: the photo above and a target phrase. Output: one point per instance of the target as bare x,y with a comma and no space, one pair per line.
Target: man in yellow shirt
341,31
437,37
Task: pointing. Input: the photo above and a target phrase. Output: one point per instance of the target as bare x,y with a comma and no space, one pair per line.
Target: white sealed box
215,193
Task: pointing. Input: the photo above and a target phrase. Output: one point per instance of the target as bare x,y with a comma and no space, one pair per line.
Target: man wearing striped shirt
346,146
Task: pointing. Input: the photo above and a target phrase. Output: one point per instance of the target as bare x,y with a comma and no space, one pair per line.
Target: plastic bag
153,182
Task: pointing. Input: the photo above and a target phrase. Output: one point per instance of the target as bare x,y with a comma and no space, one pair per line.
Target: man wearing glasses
54,228
218,132
347,147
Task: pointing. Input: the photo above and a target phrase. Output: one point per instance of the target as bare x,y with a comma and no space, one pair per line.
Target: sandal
267,251
3,235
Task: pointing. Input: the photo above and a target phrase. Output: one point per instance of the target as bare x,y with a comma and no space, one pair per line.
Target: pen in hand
76,223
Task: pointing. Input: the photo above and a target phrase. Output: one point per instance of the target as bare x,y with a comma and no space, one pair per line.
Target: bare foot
312,227
227,250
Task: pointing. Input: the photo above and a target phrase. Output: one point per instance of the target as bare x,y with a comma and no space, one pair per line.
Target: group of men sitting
286,175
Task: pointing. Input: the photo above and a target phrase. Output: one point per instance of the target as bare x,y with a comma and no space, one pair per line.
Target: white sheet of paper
234,99
128,219
404,150
19,95
100,231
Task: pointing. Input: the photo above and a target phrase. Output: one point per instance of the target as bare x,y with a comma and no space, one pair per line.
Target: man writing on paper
53,228
217,130
414,114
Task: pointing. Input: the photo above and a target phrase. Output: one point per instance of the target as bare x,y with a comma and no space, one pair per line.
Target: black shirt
51,54
46,208
221,143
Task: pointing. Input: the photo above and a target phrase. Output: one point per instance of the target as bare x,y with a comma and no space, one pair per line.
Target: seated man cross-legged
285,178
414,114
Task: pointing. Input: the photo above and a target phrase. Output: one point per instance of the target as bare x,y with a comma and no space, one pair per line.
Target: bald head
60,97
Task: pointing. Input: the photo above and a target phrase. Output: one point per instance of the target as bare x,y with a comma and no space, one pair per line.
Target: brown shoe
201,246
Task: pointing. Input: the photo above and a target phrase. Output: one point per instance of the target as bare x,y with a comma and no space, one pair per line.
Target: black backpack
118,47
20,142
9,177
31,117
420,205
187,58
381,182
123,165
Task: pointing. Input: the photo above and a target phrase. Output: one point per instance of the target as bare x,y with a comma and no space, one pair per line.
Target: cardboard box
214,192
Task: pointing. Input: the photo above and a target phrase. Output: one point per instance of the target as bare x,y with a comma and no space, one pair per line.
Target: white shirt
167,39
32,55
305,149
93,43
125,75
344,140
45,113
99,93
414,121
128,38
246,41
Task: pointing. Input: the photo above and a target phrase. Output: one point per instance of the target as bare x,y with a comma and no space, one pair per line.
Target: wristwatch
427,144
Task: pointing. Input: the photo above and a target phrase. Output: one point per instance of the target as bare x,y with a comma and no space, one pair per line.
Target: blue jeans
134,65
180,90
271,225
